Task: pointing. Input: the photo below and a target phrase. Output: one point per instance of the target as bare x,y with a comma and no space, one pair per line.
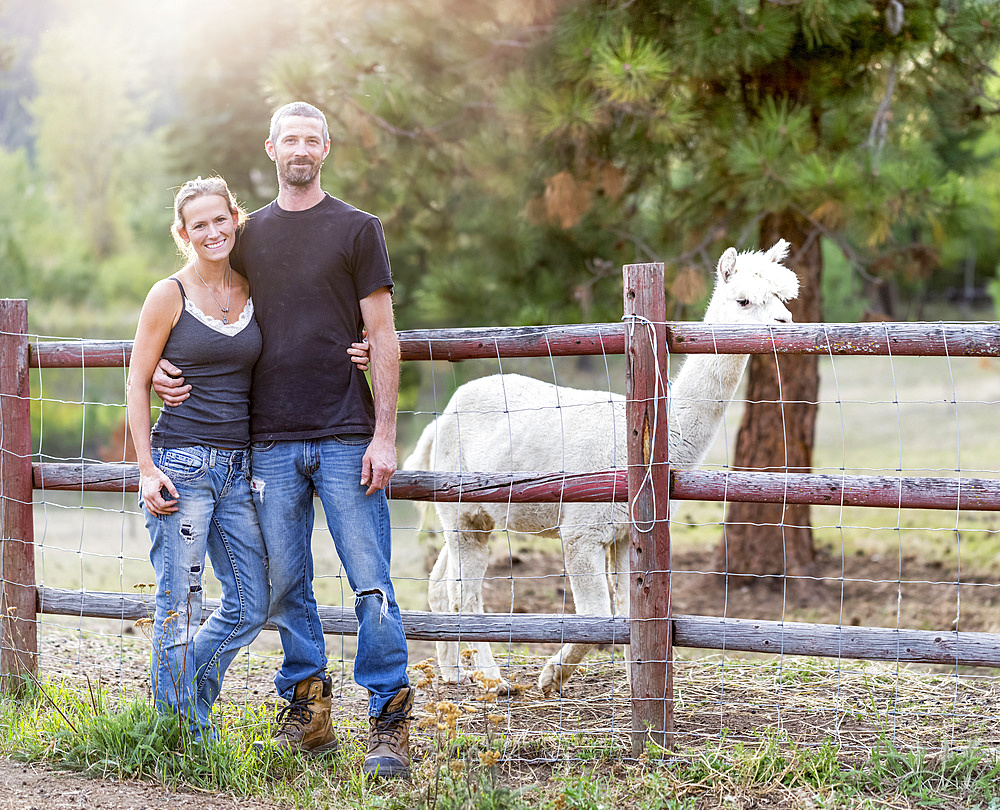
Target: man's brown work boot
389,738
304,724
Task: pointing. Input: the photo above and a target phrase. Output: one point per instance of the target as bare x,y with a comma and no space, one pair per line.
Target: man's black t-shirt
308,270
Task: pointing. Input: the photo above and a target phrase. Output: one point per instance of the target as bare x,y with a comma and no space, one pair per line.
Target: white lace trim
229,329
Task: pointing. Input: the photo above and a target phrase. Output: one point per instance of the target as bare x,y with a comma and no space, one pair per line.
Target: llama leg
586,568
461,567
439,600
469,557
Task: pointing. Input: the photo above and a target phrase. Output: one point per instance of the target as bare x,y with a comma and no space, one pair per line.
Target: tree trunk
778,427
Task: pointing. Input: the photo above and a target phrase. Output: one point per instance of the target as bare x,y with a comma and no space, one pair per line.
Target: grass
465,758
86,731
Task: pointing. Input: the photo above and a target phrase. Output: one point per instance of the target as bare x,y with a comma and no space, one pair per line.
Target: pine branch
840,240
880,121
628,236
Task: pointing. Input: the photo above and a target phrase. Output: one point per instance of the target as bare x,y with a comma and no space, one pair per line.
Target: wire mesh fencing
923,422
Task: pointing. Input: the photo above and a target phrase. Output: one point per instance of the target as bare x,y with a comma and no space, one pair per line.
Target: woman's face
209,226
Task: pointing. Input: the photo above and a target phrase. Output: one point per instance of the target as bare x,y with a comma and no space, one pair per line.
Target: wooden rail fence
650,629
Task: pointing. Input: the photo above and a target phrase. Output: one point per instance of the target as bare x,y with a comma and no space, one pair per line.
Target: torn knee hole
380,594
188,533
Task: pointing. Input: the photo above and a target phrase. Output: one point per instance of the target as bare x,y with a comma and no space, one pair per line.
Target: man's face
299,150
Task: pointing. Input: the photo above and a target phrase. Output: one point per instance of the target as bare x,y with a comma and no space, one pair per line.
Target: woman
194,468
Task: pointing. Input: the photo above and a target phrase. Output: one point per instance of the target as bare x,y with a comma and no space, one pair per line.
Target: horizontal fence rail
945,648
610,485
699,632
902,339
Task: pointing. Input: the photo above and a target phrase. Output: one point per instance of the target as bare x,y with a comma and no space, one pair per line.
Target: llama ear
778,252
727,265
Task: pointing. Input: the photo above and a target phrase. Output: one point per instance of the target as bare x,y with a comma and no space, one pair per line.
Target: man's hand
169,384
378,465
379,462
359,352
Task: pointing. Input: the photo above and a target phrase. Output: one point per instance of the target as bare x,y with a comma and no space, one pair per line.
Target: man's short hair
300,108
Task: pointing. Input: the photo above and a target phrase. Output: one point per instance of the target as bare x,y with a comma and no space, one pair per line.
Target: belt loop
212,454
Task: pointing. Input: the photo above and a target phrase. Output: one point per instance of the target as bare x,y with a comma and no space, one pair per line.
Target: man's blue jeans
286,474
215,515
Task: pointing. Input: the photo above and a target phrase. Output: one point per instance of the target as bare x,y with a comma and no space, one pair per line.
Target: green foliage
89,228
132,743
472,793
94,142
220,120
993,289
517,153
843,301
83,729
17,182
927,779
629,69
419,140
719,113
78,413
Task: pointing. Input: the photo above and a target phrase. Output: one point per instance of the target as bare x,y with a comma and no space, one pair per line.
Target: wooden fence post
648,503
18,601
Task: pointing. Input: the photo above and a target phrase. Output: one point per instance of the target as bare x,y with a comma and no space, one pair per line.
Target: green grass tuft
86,730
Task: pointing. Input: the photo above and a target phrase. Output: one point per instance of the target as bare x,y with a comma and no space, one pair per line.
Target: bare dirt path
29,786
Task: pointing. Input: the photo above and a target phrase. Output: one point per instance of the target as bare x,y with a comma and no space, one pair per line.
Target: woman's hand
359,352
151,488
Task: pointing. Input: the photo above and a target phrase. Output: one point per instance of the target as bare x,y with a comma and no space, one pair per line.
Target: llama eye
743,302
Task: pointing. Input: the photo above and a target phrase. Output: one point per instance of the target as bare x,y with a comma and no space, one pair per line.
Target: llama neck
699,396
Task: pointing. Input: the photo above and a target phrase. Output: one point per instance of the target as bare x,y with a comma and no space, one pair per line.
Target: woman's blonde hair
192,190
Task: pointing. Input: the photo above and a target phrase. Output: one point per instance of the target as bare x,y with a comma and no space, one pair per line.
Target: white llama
508,422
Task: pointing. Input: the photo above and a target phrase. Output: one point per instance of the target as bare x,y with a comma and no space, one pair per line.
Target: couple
270,411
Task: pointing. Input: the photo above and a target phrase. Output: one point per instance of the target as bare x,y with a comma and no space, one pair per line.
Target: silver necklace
229,294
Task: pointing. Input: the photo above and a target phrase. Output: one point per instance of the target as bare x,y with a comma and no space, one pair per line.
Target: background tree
220,106
425,102
93,134
518,153
744,121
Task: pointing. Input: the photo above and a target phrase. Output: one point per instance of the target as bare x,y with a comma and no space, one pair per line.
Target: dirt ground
716,698
881,590
29,786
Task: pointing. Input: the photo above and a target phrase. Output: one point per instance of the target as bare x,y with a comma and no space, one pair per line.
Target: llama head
752,287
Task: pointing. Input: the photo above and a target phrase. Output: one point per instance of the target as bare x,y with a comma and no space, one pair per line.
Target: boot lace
296,715
387,727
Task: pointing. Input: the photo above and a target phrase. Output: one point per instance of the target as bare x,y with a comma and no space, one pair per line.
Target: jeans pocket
183,464
262,447
353,439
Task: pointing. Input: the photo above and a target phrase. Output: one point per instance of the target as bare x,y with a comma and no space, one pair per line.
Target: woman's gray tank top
218,363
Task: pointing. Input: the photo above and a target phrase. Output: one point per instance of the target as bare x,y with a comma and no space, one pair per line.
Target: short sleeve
371,260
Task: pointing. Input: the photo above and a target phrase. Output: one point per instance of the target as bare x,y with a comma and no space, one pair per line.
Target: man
318,269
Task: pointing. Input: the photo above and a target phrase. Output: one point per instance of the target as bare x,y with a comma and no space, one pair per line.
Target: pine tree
730,119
